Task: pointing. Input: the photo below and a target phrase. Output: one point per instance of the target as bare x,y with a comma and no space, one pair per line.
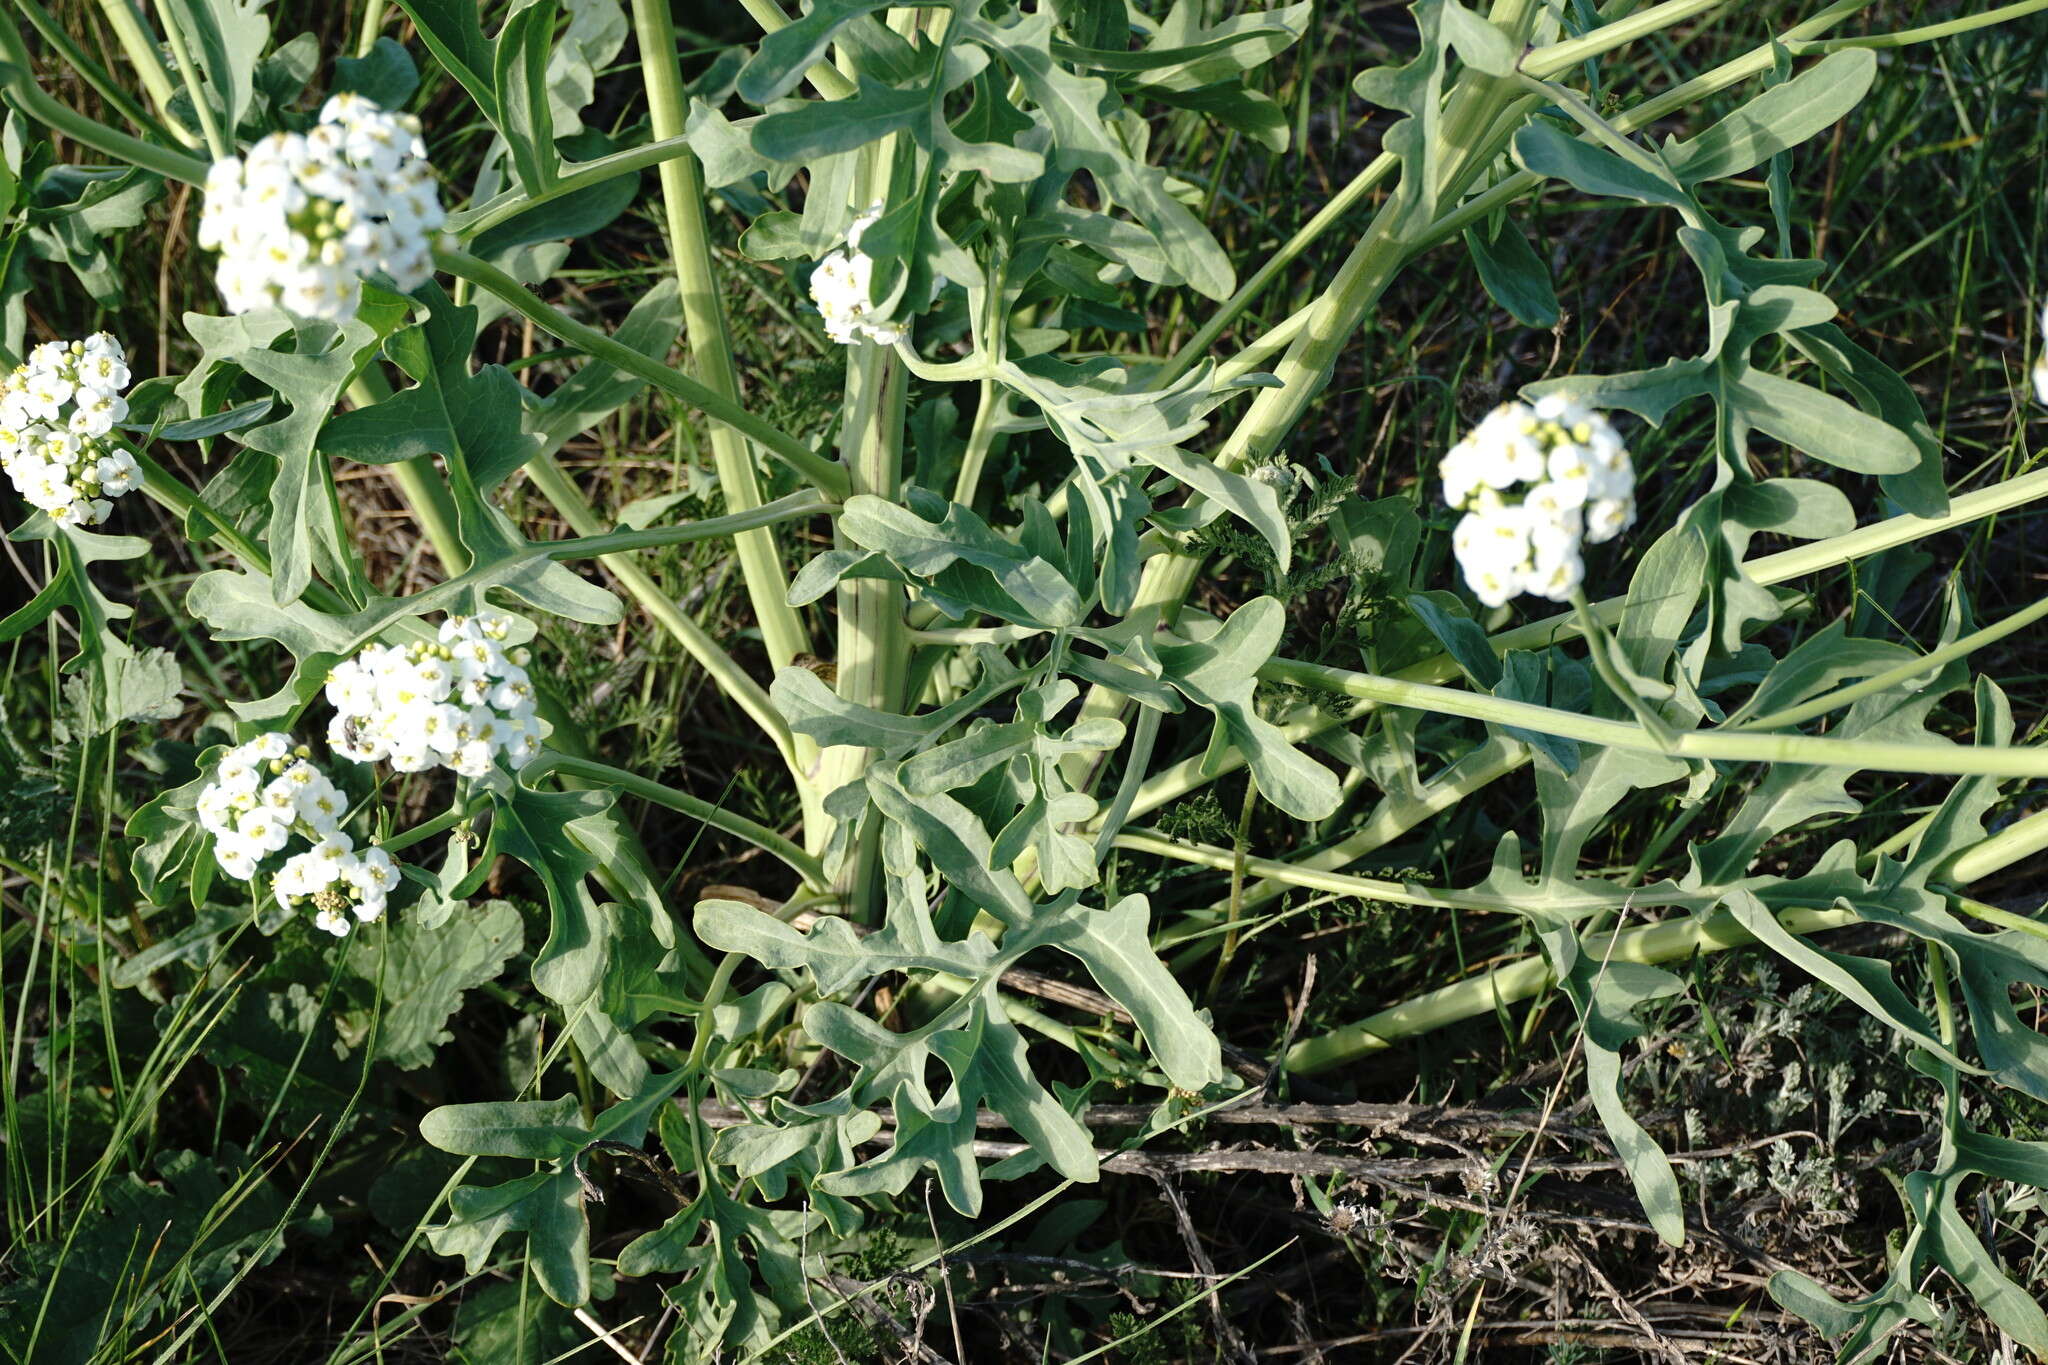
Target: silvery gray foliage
1009,678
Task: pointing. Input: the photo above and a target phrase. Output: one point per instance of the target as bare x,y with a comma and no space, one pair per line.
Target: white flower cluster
840,287
304,217
55,410
1534,482
265,792
457,704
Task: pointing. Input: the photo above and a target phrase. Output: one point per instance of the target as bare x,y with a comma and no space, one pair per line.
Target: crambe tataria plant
1026,592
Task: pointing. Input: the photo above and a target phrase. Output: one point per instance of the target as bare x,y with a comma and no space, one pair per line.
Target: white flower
319,805
523,743
842,286
264,828
1535,483
339,882
264,794
236,855
370,875
118,473
303,218
2041,362
461,702
58,411
301,875
1607,518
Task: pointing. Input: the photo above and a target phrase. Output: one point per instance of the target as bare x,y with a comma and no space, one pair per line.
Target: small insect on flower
304,217
58,410
841,286
268,792
1535,483
460,702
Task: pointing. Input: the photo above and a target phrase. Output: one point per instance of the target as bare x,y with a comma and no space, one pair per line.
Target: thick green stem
2004,919
1668,941
52,32
823,474
1399,812
795,507
1240,856
468,223
1327,217
426,829
170,492
873,647
682,193
874,643
1738,747
2019,840
714,996
826,79
1505,985
1172,783
373,21
1928,33
148,61
1562,56
1919,667
17,71
989,407
218,142
1378,888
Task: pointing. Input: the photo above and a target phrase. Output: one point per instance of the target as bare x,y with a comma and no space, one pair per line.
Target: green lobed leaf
597,29
1780,118
926,548
1822,425
1115,946
1076,108
423,974
525,102
1545,149
1219,674
1511,272
385,74
547,1206
537,1130
453,32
